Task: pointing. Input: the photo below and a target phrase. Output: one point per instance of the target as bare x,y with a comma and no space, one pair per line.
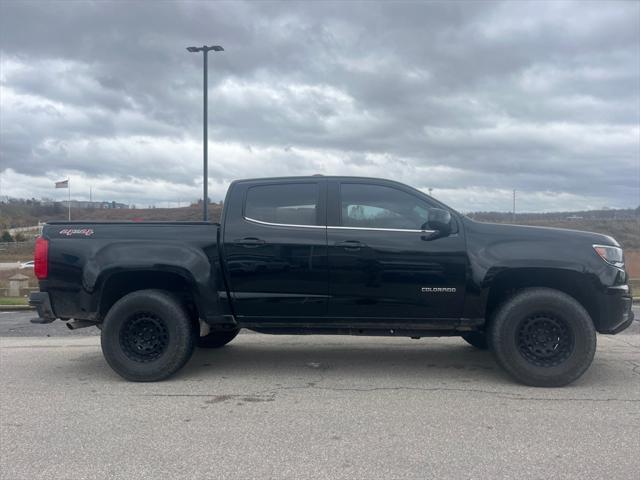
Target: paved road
312,407
17,324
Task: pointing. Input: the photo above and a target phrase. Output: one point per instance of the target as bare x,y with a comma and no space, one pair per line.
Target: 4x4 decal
86,232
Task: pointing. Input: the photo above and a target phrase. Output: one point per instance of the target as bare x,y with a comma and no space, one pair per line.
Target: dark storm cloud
539,96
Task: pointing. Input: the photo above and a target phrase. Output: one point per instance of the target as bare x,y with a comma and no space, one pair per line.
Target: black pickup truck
334,255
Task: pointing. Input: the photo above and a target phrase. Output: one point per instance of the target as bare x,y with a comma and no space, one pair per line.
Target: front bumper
42,303
616,313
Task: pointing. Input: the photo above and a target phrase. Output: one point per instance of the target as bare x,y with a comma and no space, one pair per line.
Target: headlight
609,254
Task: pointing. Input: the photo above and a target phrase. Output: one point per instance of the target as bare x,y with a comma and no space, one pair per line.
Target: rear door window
284,204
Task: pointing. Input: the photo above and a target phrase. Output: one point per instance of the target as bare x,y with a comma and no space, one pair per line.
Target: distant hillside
607,214
624,225
28,214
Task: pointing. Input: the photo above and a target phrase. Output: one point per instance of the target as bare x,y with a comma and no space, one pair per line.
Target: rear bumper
615,310
42,303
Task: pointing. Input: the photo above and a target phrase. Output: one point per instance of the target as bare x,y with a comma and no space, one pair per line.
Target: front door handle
249,242
351,245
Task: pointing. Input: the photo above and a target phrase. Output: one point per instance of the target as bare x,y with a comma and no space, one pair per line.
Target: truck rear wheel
217,339
543,338
147,336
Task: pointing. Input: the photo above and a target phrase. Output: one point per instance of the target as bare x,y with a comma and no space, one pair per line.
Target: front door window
377,206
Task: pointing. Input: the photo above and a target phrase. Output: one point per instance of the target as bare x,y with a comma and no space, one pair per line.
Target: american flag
63,184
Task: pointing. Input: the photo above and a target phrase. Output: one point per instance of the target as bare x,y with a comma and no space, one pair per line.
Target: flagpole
69,191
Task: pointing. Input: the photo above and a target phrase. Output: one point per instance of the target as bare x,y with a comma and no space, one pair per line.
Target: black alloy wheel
144,337
544,340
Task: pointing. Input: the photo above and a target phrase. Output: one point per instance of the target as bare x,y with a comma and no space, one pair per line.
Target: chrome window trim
382,229
270,224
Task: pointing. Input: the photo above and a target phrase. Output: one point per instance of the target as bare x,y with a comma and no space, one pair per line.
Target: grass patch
14,301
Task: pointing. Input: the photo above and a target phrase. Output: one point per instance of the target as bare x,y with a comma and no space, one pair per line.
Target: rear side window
287,203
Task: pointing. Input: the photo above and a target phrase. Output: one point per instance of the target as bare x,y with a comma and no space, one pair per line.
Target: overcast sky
472,99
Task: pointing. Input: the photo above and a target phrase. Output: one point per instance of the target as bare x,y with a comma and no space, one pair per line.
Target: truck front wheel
543,337
147,336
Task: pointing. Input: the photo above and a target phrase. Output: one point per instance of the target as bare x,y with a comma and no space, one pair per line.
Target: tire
147,336
217,339
543,338
477,339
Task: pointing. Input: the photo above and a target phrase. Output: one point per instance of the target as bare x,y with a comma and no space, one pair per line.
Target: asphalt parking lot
310,407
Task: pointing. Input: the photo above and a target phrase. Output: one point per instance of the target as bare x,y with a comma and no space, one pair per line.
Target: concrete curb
15,308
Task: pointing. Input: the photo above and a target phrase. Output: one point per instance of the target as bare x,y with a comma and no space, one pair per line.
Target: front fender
531,256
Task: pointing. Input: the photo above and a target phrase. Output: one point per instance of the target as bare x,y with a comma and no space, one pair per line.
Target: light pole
205,87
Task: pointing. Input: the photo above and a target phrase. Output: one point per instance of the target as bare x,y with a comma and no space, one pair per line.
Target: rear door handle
351,245
249,242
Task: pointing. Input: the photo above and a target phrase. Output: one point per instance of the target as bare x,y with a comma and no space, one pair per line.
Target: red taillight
41,259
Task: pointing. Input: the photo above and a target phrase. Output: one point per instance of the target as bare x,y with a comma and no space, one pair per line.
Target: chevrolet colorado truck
334,255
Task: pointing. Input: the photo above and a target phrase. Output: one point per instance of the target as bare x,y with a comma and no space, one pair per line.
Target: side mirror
440,221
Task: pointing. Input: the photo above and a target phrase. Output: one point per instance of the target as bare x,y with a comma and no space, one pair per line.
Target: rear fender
189,263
